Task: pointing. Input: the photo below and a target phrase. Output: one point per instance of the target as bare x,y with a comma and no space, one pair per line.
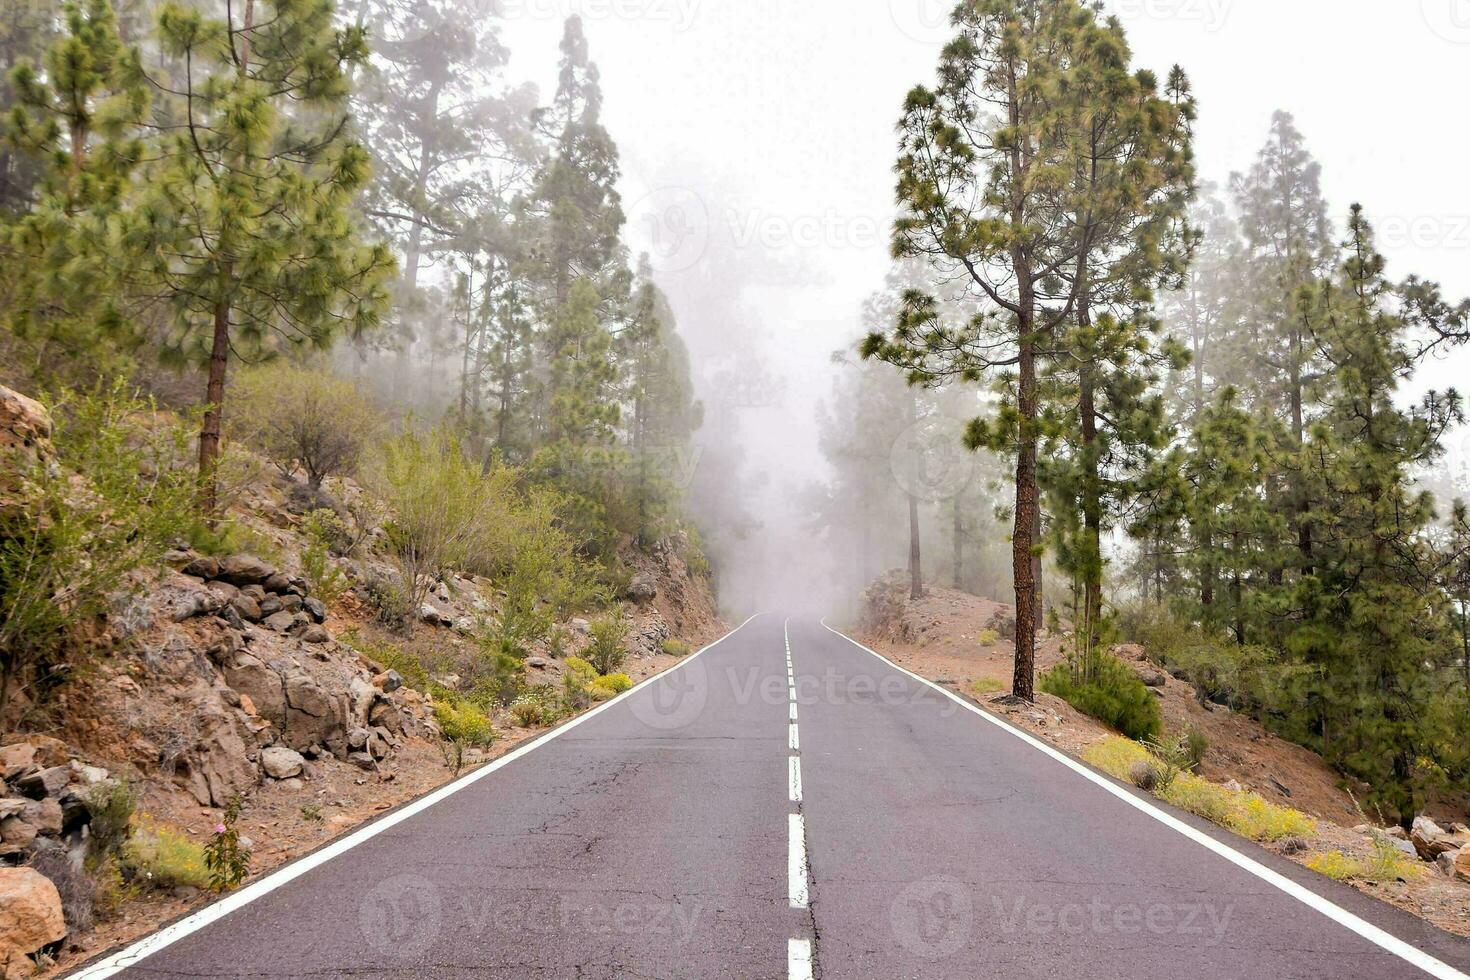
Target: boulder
244,570
1003,623
15,759
362,695
1445,863
431,616
280,762
1153,678
643,588
44,815
49,751
25,441
177,603
247,607
17,832
45,782
205,568
385,714
279,621
388,681
270,605
316,633
30,918
278,583
1462,864
1430,840
315,609
1129,651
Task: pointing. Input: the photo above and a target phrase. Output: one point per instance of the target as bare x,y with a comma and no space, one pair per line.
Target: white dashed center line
799,953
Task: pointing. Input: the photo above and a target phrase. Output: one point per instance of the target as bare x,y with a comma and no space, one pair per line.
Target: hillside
268,682
941,637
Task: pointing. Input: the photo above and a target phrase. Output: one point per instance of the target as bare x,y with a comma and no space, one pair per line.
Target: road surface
763,814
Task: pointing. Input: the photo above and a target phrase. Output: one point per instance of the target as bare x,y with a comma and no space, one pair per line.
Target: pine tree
78,115
248,207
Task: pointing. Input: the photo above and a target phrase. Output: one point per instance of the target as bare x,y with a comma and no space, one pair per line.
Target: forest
1194,408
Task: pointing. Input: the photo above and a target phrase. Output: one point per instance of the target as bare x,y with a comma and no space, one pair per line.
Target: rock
293,784
279,621
1365,829
270,605
361,694
315,609
643,588
1398,844
280,762
1445,863
49,751
291,602
1234,786
1129,651
15,759
1153,678
1430,840
30,917
25,441
17,831
205,568
361,760
388,681
581,627
385,714
377,746
44,815
278,583
316,633
537,663
89,775
46,782
247,607
1004,624
11,805
178,603
224,590
433,617
244,570
1396,832
1462,864
255,592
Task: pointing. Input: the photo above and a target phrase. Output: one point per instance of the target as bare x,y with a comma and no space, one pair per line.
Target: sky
757,145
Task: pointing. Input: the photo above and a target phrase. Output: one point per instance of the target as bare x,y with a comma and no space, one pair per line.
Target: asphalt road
704,825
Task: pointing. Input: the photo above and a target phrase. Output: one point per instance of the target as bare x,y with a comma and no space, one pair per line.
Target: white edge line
796,860
799,959
1384,940
169,935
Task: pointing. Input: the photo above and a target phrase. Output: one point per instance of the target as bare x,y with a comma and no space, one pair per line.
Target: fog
757,143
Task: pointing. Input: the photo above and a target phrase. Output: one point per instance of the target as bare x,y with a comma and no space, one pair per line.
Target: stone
388,681
49,751
16,758
279,582
432,616
536,663
385,714
1153,678
1397,832
293,784
247,607
89,775
203,567
361,760
581,626
1129,651
316,633
224,590
270,605
357,739
1429,839
315,609
291,602
1462,864
279,621
11,805
178,603
30,918
280,762
17,831
44,783
255,592
44,815
244,570
643,588
1445,863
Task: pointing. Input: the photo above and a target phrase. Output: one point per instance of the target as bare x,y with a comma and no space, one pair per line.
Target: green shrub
675,648
1113,694
536,706
612,685
65,545
1387,863
110,807
988,638
461,726
985,686
303,419
322,527
606,653
1196,744
162,857
576,683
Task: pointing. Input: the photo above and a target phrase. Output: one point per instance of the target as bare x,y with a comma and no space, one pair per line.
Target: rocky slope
219,679
960,641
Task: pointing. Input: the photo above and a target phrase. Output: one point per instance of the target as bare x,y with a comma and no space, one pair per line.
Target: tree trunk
1091,504
916,574
1023,540
209,432
959,544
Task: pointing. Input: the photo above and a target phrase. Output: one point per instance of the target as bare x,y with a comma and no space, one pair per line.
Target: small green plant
675,648
161,857
111,806
312,813
225,856
327,581
461,726
605,652
1196,745
1387,863
610,685
577,682
1112,694
536,706
988,638
986,686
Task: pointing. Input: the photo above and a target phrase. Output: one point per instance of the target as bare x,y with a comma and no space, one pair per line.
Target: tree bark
209,432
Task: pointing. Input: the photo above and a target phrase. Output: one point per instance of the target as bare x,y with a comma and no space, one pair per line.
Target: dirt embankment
961,641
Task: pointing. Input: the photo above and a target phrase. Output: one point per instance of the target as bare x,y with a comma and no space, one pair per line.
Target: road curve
787,804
